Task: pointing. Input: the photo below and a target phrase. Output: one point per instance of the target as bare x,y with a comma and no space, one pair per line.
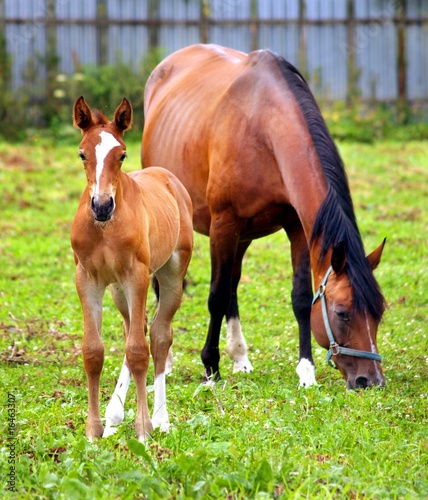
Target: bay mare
245,136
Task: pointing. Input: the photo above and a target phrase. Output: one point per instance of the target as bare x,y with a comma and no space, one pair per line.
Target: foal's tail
155,285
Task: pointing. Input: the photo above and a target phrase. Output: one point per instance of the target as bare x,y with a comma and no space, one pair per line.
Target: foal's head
102,151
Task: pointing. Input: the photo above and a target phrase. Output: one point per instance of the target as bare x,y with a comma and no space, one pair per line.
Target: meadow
253,435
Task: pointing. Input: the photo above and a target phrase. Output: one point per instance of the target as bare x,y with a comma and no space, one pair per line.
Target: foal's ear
123,115
82,115
376,255
338,258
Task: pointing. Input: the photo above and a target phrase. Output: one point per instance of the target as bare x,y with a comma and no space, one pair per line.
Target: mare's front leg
224,237
137,348
91,297
301,297
236,346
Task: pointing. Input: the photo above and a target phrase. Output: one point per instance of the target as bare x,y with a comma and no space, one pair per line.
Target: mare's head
102,152
345,320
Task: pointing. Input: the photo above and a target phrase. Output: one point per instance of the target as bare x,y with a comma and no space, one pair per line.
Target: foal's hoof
143,431
94,430
109,431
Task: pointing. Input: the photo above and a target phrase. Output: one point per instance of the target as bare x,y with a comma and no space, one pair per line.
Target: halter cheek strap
335,348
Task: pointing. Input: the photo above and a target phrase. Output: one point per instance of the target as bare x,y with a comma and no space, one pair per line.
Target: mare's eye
123,156
343,316
82,156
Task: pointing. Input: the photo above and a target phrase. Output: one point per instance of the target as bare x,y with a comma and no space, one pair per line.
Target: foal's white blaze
237,347
160,414
373,348
102,149
115,409
306,372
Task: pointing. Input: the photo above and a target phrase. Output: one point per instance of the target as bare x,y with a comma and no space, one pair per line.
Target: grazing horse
245,136
127,226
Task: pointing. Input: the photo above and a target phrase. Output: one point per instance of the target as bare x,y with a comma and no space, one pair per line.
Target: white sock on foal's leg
306,371
160,414
237,347
115,409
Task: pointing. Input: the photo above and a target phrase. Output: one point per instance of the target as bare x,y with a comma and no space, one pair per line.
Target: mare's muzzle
102,208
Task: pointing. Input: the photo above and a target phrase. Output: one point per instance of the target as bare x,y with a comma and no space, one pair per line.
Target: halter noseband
335,348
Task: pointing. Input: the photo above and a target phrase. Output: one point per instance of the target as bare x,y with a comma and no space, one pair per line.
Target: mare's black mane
335,221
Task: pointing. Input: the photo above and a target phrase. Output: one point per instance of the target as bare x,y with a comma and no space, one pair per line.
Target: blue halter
335,348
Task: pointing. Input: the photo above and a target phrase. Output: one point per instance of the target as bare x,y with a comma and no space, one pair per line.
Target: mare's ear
82,115
376,255
338,258
123,115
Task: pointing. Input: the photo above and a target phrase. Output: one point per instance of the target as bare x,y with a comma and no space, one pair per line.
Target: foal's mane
99,117
335,220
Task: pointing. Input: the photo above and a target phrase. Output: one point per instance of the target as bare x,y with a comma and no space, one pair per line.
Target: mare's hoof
242,365
306,372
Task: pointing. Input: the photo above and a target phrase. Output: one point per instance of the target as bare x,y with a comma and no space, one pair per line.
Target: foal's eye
82,156
343,316
123,156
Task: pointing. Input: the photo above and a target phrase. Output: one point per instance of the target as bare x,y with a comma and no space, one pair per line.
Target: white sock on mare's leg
306,372
237,347
115,412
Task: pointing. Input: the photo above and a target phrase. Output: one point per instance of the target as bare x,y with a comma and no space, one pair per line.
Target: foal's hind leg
236,346
301,297
170,358
170,278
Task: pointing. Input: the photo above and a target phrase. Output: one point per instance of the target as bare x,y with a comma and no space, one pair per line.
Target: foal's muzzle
102,208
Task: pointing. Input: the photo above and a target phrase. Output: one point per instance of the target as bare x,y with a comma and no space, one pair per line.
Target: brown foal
127,227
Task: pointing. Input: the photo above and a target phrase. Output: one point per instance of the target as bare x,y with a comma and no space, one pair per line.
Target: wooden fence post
204,23
154,24
302,38
254,25
51,59
101,32
352,90
401,58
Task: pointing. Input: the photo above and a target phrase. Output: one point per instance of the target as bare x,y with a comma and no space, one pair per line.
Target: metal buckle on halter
321,291
335,349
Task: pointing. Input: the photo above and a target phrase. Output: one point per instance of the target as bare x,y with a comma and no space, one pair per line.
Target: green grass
255,435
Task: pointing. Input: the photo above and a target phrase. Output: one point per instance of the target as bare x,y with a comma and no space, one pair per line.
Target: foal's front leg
91,297
137,348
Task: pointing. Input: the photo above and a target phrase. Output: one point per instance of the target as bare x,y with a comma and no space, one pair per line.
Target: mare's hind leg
236,346
170,278
224,238
115,409
301,297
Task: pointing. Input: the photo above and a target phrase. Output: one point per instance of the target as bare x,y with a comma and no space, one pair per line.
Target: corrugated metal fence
376,49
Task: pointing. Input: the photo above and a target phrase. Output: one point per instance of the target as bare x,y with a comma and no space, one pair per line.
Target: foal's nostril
361,382
102,211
